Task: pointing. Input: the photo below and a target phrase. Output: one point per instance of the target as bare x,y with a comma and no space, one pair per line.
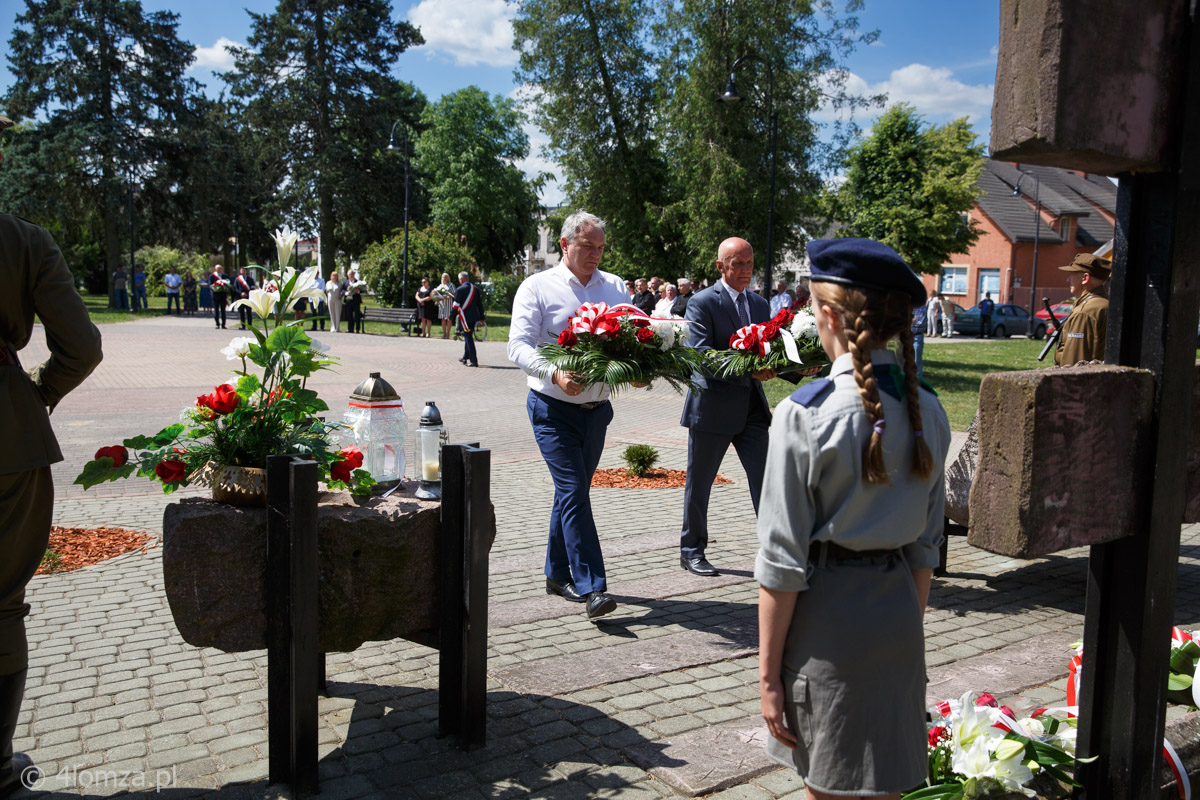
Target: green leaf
1008,748
248,386
288,339
101,470
1177,681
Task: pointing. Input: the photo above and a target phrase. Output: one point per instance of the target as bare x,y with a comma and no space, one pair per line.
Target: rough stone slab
708,759
1056,445
1087,86
378,565
1033,662
543,607
559,675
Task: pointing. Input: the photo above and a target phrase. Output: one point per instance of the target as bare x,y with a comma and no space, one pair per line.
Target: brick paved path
659,699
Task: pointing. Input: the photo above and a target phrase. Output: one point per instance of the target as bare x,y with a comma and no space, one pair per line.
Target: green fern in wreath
788,343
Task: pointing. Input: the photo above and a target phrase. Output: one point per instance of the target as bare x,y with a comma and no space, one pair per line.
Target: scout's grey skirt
854,680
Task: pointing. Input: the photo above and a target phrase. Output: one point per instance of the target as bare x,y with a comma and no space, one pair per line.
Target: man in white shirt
781,299
172,280
569,419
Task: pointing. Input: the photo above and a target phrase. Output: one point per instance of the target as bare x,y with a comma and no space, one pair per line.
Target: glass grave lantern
377,425
431,435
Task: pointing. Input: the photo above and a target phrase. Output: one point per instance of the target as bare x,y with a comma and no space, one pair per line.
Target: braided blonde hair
872,318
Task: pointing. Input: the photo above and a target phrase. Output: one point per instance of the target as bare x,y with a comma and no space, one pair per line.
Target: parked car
1006,321
1061,311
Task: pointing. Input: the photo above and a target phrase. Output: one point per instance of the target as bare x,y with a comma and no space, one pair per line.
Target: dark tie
743,312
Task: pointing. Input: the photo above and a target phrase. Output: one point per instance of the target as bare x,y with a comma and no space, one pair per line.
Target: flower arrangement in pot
224,439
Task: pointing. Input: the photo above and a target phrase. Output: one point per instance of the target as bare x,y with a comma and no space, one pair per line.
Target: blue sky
938,55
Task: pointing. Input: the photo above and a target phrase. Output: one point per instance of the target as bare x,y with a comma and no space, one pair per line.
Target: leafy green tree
720,152
468,150
320,98
106,82
593,76
909,185
431,251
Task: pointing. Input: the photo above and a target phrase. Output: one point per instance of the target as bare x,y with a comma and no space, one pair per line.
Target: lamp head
730,95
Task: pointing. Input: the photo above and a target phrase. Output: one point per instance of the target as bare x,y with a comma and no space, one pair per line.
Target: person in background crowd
782,298
173,281
140,303
468,304
242,285
802,297
333,291
629,288
426,307
684,295
919,325
643,298
352,302
37,282
205,292
120,292
1084,332
220,294
446,304
655,285
663,307
986,307
947,317
321,312
189,293
933,315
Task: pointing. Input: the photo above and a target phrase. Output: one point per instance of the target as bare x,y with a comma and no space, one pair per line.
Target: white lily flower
260,302
1033,726
285,244
239,347
972,761
318,346
1013,772
306,284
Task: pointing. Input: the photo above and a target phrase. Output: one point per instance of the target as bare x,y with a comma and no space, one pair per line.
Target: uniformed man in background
1083,332
36,280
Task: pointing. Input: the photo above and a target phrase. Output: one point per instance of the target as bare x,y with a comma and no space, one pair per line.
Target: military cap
864,263
5,122
1092,264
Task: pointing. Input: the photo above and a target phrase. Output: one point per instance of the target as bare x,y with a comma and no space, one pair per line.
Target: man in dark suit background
469,306
726,411
679,308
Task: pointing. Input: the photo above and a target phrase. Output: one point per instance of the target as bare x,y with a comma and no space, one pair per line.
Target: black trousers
219,301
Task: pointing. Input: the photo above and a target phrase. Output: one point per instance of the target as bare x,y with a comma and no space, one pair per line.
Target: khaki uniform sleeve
73,340
1082,338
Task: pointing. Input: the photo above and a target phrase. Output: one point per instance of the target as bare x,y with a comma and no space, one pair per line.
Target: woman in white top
662,308
445,295
333,290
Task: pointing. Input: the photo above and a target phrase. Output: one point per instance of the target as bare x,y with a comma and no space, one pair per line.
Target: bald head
735,262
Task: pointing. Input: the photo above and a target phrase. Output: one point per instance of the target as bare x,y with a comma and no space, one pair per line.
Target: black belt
590,406
831,551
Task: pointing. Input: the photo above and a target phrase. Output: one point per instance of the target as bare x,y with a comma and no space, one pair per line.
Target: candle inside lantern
430,471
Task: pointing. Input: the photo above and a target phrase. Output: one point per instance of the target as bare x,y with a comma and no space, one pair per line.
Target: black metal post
1131,582
404,270
132,292
293,660
462,586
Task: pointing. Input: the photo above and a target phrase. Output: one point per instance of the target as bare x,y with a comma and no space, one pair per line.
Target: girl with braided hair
849,526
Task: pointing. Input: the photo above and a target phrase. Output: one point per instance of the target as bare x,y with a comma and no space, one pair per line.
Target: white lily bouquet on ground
787,343
621,346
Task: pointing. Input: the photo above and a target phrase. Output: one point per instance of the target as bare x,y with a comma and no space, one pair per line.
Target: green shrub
431,251
502,291
157,262
639,458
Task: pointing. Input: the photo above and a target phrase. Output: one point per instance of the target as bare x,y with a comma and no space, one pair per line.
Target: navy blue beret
864,263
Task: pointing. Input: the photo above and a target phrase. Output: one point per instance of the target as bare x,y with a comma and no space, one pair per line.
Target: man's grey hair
462,275
580,219
685,282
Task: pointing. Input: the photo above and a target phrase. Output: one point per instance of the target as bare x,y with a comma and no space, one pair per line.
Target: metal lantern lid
430,416
374,390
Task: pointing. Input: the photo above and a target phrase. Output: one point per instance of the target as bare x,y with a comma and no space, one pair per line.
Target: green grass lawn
97,306
955,370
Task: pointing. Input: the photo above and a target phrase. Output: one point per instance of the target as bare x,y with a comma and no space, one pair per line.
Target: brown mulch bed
653,479
72,548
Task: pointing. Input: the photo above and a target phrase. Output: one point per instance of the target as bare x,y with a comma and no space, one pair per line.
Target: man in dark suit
726,411
469,306
679,307
643,298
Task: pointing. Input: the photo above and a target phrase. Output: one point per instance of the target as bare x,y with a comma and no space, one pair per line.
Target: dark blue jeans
571,441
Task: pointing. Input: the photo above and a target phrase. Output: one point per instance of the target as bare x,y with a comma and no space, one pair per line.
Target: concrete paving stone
634,718
235,712
238,740
115,739
720,714
556,750
742,793
246,773
563,790
55,753
98,728
141,719
358,744
175,756
125,752
676,725
54,737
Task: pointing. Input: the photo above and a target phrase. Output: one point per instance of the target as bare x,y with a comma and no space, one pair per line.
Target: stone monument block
1088,86
1063,458
377,563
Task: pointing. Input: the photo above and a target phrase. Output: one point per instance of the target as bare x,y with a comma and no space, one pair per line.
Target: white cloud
471,32
216,58
933,91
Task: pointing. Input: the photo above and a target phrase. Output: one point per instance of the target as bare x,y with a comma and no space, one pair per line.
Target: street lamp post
131,282
404,271
1037,229
730,95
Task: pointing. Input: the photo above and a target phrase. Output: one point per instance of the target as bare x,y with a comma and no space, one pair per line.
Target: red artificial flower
276,394
770,332
116,452
639,322
171,471
645,335
568,339
351,459
751,339
938,734
784,317
1008,712
986,699
607,326
223,399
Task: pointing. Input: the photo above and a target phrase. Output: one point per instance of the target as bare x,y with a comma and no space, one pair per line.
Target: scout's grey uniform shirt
813,489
